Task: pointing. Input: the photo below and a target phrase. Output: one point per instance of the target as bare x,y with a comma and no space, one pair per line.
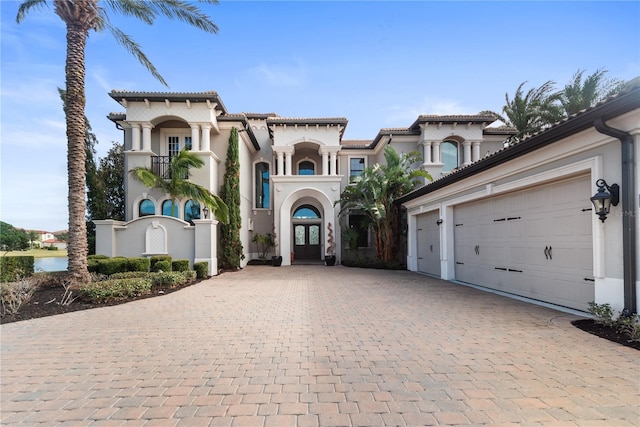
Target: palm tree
531,112
578,94
178,185
374,191
81,17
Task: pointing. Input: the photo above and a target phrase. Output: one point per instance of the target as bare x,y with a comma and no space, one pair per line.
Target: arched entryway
307,233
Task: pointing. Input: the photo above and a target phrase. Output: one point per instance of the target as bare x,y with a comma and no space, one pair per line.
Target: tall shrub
231,252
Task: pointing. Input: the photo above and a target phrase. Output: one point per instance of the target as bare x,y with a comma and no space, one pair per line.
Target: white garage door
535,243
428,243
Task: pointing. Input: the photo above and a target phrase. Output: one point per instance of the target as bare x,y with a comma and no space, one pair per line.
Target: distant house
515,219
55,243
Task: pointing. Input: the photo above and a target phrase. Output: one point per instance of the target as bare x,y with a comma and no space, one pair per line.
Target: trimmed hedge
130,275
161,266
15,267
201,269
171,279
180,265
139,264
113,290
158,258
108,266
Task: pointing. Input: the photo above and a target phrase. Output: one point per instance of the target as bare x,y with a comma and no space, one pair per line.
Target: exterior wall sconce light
205,211
603,200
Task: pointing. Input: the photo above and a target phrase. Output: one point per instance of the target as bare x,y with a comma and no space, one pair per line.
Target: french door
306,241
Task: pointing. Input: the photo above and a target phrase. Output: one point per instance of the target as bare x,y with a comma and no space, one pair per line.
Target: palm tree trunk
76,155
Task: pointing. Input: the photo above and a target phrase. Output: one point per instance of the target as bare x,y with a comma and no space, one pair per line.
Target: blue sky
379,64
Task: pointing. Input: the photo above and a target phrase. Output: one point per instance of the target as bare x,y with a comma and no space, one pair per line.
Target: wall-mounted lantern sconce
205,211
439,221
603,200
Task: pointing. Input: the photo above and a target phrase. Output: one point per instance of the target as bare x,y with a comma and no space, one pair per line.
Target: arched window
191,210
262,185
306,212
449,156
146,208
306,168
169,209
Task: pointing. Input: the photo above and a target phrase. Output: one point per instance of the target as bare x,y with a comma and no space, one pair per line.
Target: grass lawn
37,253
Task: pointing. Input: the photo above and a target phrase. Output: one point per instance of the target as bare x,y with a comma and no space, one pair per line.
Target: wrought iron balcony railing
160,166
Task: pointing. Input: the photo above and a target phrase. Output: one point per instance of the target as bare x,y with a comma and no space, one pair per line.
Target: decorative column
475,151
435,145
466,147
426,150
146,136
135,136
206,137
334,163
325,163
280,163
289,164
195,136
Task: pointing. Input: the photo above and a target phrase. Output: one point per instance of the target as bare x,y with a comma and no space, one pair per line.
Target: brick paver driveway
316,345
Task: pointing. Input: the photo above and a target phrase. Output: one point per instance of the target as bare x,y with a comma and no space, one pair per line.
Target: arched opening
306,167
146,208
307,235
450,156
191,211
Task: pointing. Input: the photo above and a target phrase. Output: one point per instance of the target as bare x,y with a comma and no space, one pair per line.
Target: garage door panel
536,243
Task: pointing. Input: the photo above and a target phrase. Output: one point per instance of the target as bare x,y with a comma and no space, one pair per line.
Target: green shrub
52,248
159,258
603,313
110,266
94,256
129,275
139,264
113,290
161,266
13,268
169,279
180,265
201,269
629,325
14,294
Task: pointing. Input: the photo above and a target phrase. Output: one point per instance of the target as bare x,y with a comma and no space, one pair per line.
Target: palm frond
28,5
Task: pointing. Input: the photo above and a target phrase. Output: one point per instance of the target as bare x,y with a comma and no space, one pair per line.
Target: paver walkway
316,345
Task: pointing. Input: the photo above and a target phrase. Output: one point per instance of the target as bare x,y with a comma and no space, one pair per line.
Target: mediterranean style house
512,218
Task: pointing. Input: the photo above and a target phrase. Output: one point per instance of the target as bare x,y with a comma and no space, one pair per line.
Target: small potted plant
264,243
330,257
276,260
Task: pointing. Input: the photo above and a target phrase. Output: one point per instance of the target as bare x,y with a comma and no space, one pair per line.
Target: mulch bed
45,302
607,332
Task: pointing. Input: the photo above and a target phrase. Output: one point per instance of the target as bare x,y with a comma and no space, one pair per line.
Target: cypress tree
231,251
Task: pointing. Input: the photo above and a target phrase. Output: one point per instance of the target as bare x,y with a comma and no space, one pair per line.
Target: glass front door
307,241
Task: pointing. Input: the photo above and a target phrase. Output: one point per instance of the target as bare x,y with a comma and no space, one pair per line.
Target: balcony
160,165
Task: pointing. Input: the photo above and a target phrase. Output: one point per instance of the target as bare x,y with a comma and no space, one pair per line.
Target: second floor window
306,168
262,185
356,166
449,156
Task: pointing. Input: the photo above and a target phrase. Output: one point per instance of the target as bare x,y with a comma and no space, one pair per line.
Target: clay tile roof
463,118
211,96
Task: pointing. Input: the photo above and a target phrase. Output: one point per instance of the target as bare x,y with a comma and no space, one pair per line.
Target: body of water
50,264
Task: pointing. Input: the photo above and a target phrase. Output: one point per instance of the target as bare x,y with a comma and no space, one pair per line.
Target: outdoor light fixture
603,200
205,211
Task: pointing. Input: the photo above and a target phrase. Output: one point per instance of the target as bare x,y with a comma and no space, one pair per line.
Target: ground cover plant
47,294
